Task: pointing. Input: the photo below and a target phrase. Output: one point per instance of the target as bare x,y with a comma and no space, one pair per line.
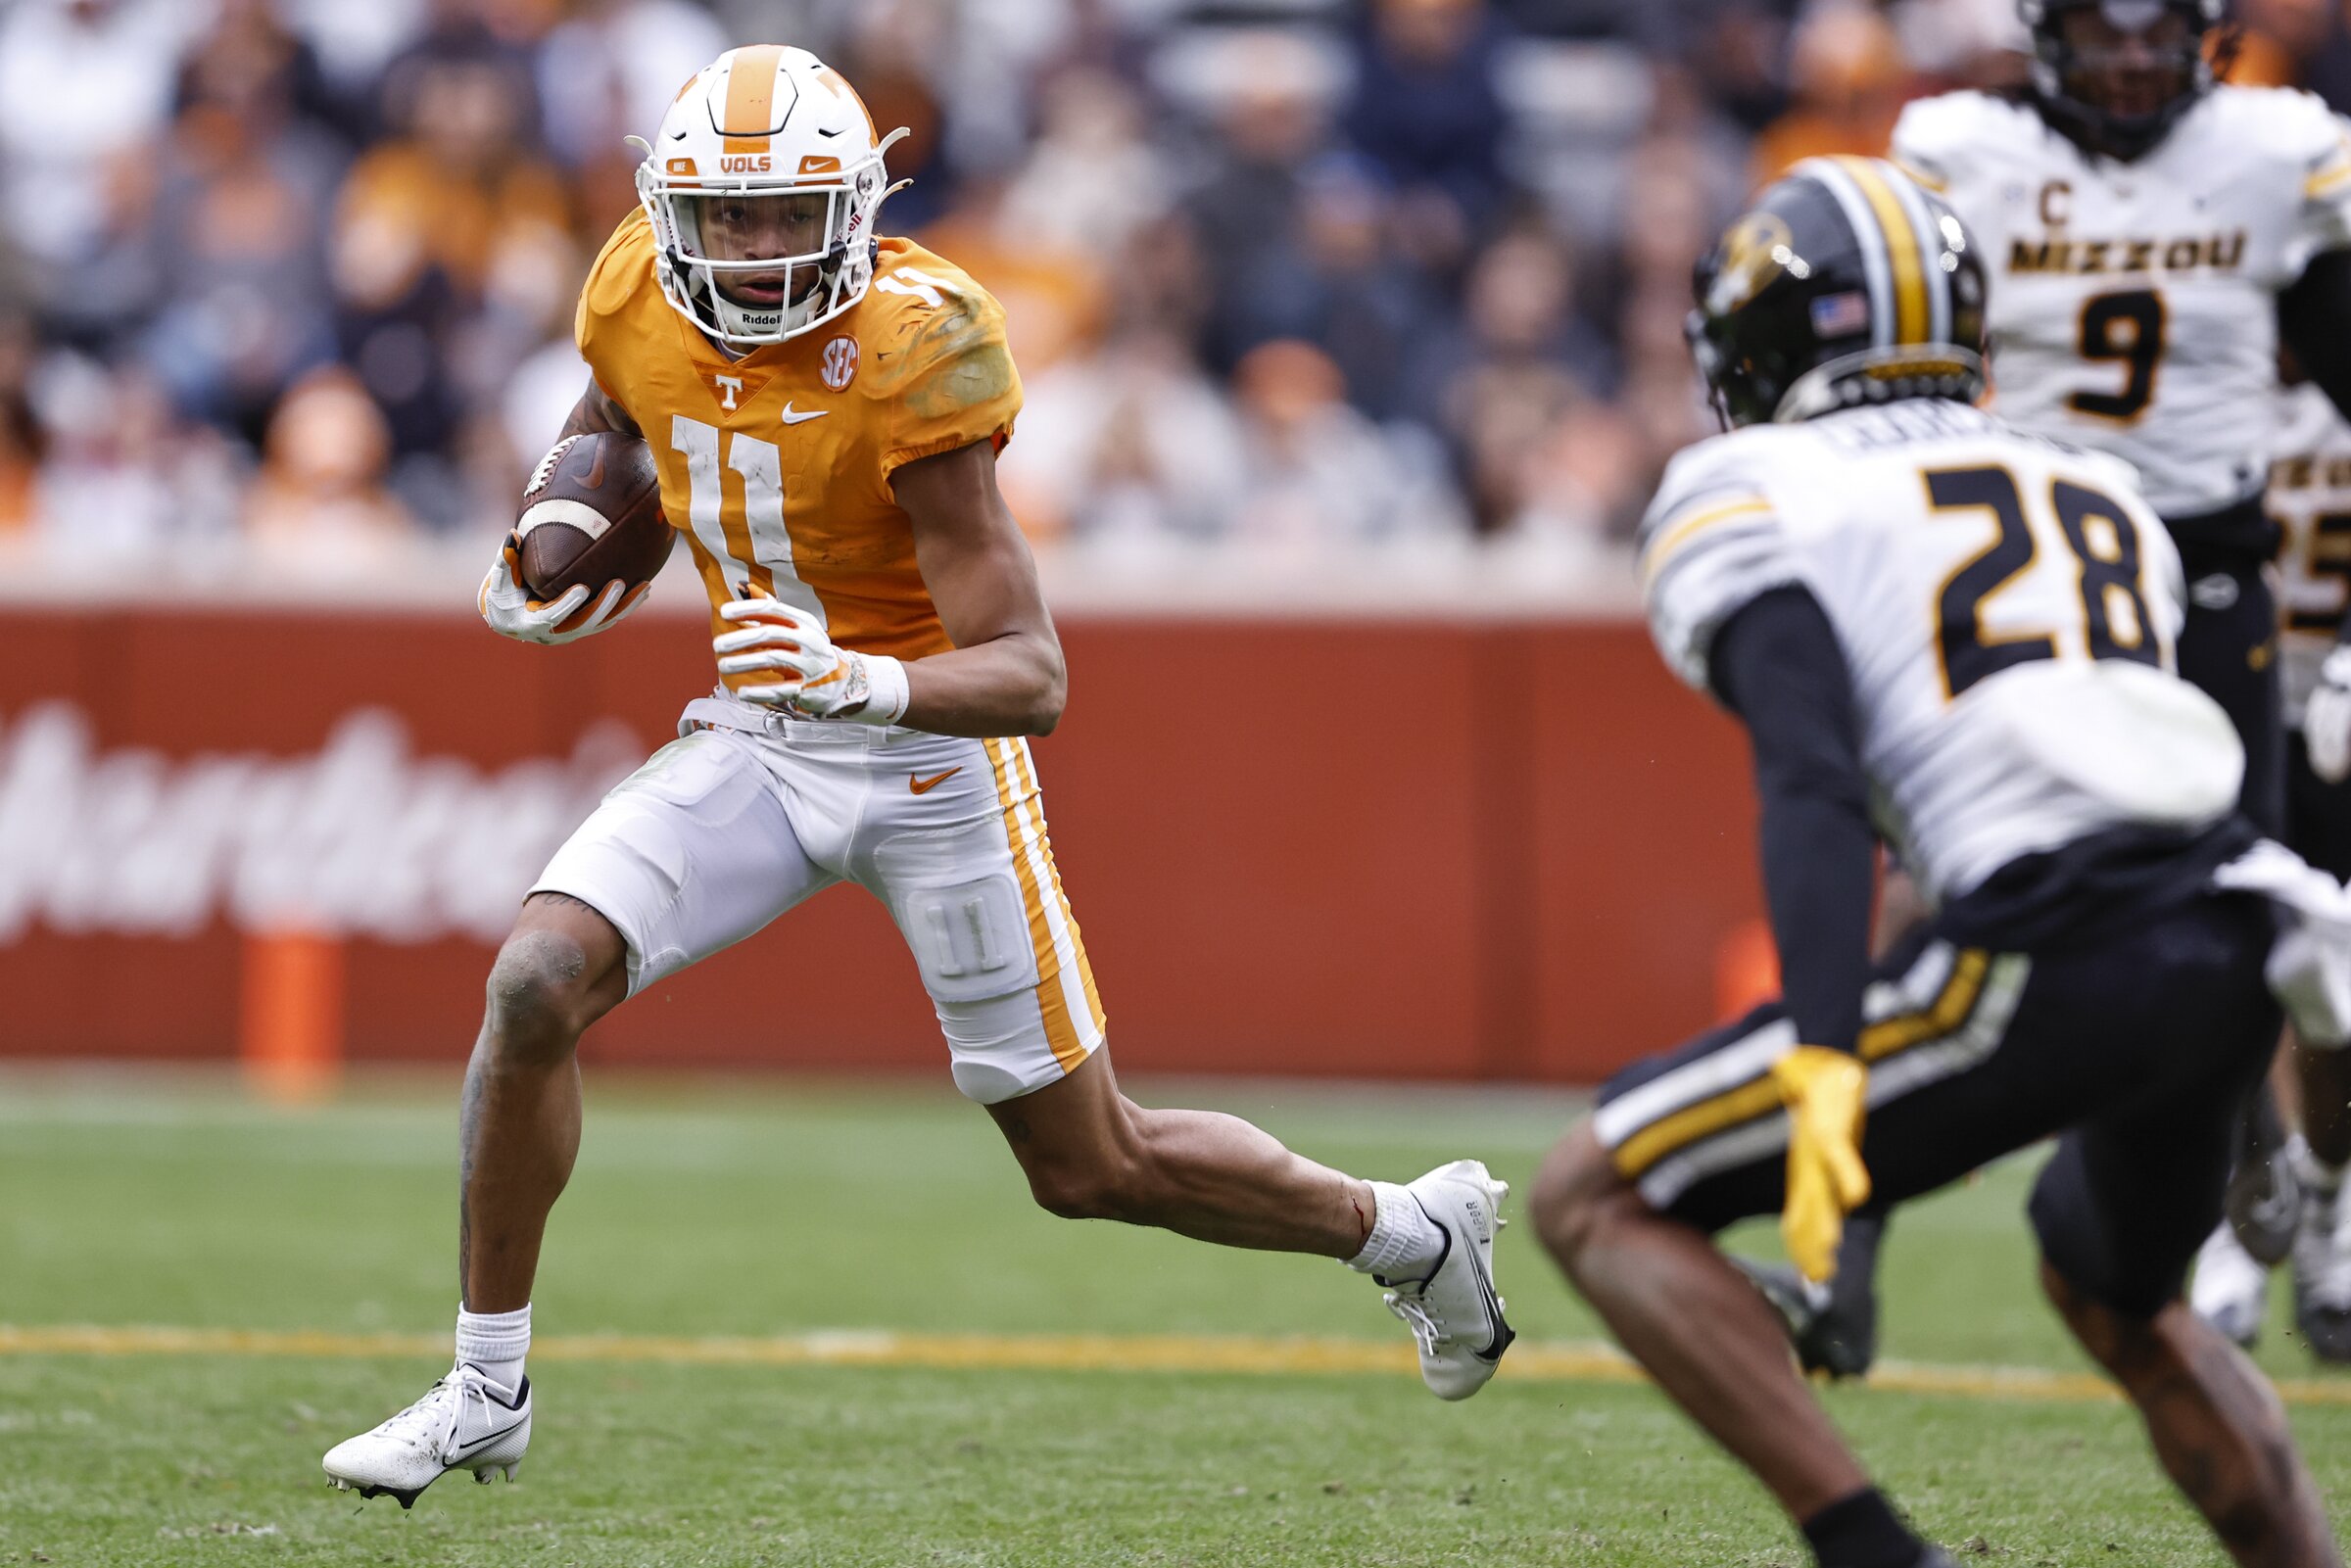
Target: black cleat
1833,1328
2326,1329
2265,1197
2323,1275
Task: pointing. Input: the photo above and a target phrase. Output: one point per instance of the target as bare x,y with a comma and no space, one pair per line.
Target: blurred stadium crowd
296,277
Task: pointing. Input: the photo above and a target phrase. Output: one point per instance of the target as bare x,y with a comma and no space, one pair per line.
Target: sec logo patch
840,363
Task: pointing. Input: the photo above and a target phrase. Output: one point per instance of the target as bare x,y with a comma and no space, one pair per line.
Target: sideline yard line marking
1557,1361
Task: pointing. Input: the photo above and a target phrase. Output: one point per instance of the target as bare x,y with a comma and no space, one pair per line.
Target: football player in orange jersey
826,406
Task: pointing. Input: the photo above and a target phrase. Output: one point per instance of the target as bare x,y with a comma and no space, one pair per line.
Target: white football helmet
762,185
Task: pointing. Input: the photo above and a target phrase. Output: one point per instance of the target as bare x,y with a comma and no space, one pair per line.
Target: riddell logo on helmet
741,164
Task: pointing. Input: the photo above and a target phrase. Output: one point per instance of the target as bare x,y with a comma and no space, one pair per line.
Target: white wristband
887,688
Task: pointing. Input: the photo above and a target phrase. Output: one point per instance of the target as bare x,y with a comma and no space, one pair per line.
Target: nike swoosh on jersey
794,416
923,787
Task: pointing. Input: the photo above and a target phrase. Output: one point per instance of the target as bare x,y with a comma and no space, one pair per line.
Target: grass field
693,1410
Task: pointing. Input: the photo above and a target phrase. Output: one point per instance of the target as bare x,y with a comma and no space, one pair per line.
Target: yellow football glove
1822,1090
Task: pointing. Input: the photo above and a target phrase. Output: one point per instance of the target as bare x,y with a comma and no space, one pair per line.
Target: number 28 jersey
2132,305
2006,607
776,466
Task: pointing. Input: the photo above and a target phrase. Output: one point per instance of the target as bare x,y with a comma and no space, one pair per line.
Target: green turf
771,1208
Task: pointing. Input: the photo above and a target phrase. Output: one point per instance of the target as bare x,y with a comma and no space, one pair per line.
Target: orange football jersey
777,466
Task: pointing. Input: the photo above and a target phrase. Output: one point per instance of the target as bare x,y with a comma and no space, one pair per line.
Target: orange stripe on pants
1069,916
1061,1034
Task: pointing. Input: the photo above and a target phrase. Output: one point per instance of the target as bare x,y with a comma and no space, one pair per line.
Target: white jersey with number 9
2133,306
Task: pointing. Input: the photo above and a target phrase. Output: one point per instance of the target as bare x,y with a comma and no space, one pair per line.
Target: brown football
591,514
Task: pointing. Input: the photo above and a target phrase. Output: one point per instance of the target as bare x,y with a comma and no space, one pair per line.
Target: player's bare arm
1006,675
596,412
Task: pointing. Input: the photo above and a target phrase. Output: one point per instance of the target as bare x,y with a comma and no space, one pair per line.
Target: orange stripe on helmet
749,114
840,84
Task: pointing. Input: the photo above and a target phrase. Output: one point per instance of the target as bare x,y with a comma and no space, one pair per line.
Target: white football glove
2327,719
507,606
810,677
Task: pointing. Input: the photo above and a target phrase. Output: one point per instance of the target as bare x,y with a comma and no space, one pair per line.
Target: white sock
495,1343
1405,1243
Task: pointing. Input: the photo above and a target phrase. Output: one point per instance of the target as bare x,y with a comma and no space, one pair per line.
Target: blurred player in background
2310,497
2151,236
826,407
1948,634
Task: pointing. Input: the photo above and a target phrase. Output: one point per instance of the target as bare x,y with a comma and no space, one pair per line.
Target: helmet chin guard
759,123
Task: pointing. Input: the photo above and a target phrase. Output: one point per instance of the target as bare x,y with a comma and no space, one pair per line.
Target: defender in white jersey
2150,236
2310,499
1957,640
2146,231
2136,310
2133,304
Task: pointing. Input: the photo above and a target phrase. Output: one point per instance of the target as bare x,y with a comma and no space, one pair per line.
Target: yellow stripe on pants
1761,1096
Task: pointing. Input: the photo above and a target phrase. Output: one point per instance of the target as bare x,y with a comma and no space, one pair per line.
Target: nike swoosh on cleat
466,1449
1503,1332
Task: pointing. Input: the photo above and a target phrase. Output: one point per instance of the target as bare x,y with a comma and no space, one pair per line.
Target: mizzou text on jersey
2132,305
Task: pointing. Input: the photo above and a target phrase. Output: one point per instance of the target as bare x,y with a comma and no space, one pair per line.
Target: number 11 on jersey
752,547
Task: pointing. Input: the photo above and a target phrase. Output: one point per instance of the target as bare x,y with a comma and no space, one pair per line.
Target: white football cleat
463,1422
2322,1273
1453,1314
2231,1289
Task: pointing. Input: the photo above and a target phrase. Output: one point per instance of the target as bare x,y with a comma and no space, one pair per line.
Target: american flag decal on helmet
1838,316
